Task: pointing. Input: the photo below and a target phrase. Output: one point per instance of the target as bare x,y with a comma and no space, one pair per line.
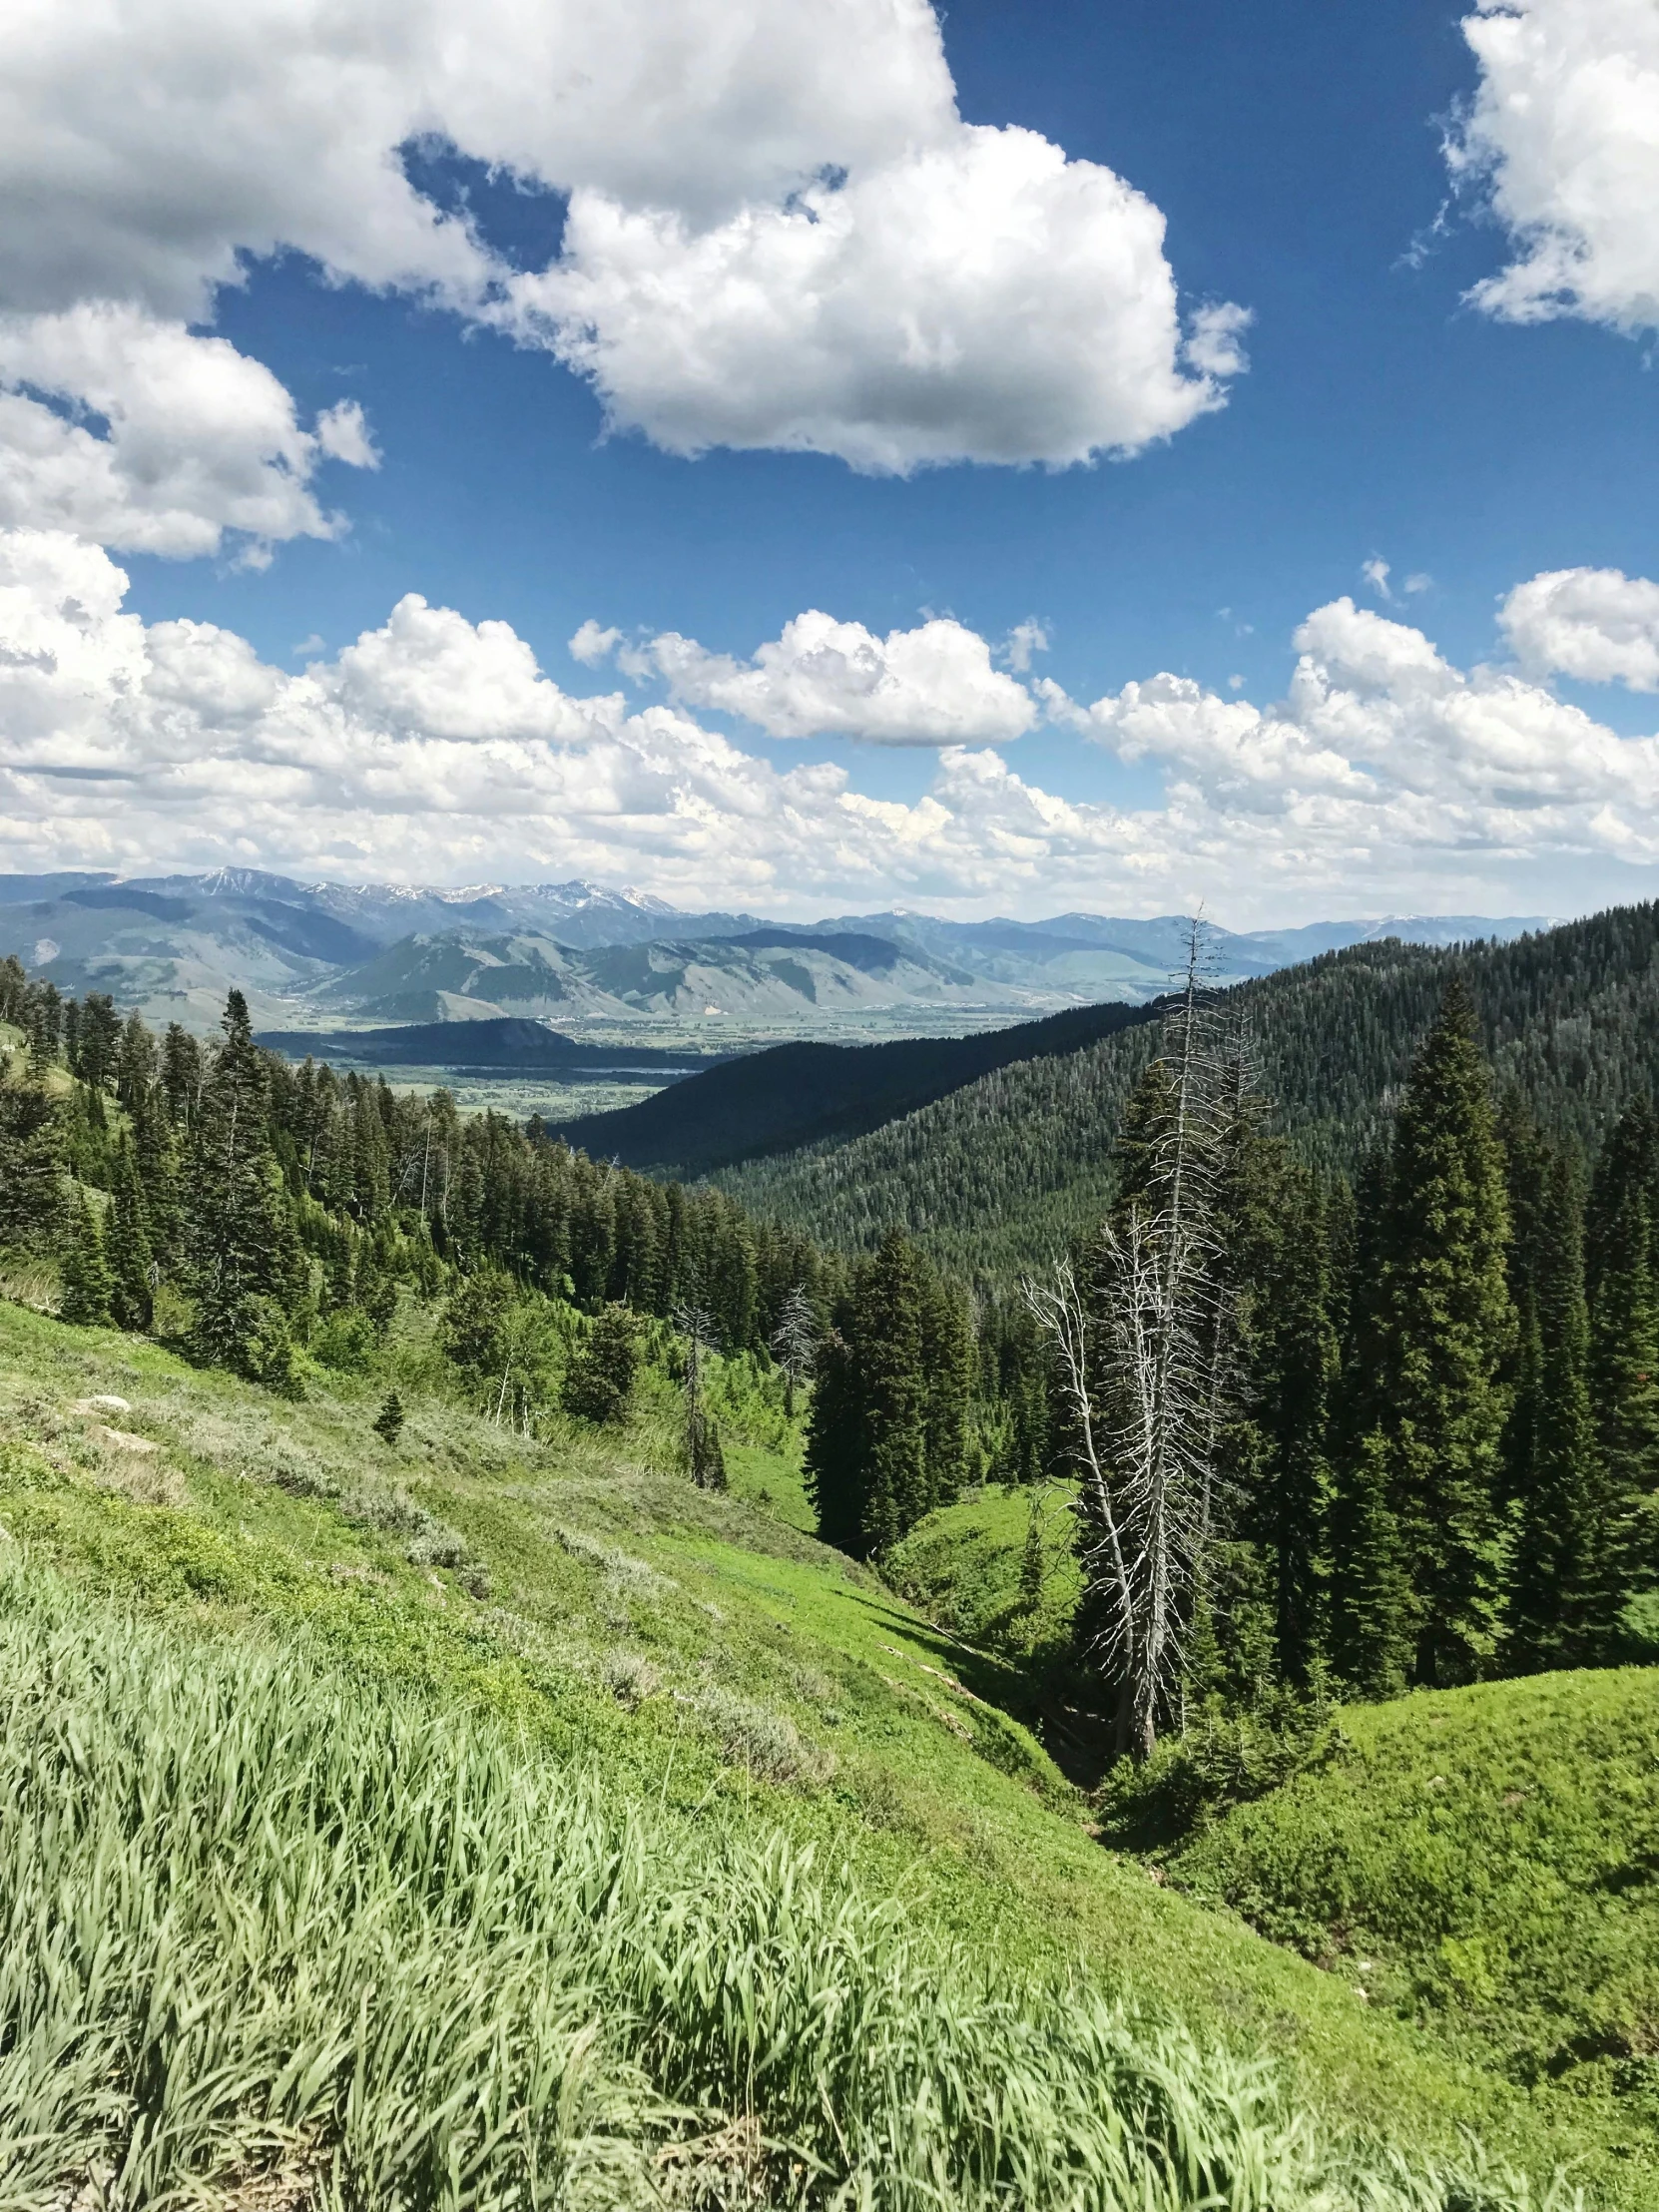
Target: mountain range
318,956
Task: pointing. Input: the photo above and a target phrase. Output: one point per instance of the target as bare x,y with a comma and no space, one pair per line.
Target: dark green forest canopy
1000,1174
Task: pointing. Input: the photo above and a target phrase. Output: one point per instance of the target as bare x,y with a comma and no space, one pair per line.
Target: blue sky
1297,159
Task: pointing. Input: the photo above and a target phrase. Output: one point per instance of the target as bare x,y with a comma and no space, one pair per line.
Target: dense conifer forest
995,1178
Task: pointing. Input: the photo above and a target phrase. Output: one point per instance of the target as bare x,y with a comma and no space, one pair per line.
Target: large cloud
197,438
435,748
981,298
779,230
933,684
1593,622
1382,748
1564,135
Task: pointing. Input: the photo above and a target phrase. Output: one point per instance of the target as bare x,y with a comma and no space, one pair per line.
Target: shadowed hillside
799,1094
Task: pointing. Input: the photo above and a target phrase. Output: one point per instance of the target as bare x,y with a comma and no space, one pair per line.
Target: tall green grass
260,1917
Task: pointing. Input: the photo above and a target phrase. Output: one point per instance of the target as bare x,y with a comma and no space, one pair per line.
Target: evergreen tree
1622,1268
834,1460
948,1378
1567,1588
1445,1328
1294,1362
87,1284
600,1380
181,1074
887,1435
31,1165
389,1421
1527,1166
1033,1566
890,1322
474,1331
340,1273
241,1252
376,1286
1373,1632
127,1243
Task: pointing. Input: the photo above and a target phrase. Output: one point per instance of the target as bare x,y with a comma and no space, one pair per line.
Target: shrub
1222,1761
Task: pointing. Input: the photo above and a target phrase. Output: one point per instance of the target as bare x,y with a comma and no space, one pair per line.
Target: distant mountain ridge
330,953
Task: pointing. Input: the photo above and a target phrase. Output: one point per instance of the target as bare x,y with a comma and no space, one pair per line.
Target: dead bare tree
705,1461
795,1344
1141,1348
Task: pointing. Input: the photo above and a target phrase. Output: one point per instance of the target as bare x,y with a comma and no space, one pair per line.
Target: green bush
1490,1856
1223,1760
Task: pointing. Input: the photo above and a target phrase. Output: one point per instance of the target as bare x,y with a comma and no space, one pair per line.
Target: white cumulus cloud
435,748
781,232
1563,136
1593,622
159,440
979,299
933,684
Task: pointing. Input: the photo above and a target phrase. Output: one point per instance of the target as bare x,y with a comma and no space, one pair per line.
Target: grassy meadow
489,1821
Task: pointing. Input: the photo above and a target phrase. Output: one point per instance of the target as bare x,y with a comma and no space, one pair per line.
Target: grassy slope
1492,1852
1495,1854
694,1647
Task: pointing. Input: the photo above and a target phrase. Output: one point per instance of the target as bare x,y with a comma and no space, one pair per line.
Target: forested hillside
997,1176
797,1094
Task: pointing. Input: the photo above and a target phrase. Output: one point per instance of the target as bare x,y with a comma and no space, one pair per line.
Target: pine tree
474,1331
1446,1332
833,1461
1567,1589
600,1380
339,1272
1371,1634
1293,1360
1033,1566
895,1409
947,1377
1622,1268
241,1252
87,1284
389,1421
1527,1165
867,1444
31,1165
128,1245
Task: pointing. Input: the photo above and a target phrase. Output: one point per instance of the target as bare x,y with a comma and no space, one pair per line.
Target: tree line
270,1194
